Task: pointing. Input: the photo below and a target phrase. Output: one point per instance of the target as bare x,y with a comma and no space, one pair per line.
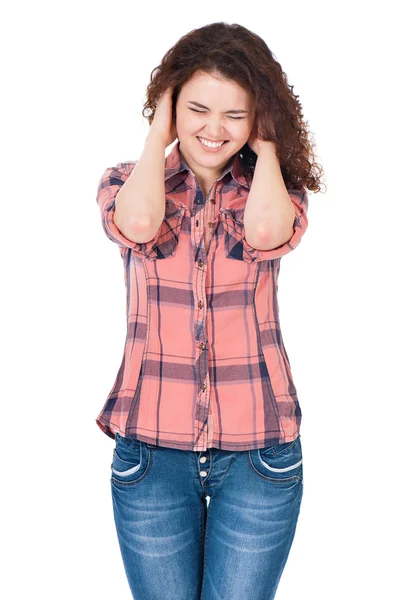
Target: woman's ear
270,126
254,131
174,103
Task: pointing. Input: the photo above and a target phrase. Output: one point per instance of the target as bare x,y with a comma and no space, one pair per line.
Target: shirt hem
110,430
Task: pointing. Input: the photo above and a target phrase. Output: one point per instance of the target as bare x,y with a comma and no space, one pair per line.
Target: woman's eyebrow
227,111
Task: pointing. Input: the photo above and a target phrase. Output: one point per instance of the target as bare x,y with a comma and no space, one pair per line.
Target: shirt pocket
165,242
236,246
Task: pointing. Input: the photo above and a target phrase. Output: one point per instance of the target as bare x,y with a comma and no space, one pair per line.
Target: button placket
202,231
203,459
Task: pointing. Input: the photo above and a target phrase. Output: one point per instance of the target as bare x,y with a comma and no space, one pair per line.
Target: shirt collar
175,163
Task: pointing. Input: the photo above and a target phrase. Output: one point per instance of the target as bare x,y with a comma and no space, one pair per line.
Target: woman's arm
140,203
269,213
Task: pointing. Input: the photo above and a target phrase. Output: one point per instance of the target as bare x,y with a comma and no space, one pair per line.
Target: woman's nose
214,131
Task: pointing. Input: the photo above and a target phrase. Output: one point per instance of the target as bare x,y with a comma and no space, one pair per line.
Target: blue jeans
205,525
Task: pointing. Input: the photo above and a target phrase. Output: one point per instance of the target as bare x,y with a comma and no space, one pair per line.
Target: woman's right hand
163,122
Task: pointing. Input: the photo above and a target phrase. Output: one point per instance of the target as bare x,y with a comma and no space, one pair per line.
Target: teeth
211,144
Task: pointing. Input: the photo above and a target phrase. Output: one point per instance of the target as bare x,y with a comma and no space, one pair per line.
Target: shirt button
202,346
200,263
203,386
203,473
203,459
212,200
200,304
210,224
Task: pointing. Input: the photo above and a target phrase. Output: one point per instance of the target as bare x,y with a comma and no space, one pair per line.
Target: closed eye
203,112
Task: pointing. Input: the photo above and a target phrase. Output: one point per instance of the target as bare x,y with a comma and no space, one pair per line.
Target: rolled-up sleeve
164,242
237,245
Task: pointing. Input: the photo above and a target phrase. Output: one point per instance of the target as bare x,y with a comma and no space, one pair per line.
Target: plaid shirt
204,363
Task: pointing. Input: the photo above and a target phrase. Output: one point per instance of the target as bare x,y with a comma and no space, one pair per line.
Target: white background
75,76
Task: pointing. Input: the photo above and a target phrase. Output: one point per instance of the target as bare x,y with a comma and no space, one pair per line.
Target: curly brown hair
238,54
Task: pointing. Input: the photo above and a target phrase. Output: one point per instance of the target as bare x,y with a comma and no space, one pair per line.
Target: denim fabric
205,525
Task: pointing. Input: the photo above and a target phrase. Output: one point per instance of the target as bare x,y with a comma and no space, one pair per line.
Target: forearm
269,212
140,202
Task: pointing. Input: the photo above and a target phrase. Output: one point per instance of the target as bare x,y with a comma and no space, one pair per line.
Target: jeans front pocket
279,464
131,461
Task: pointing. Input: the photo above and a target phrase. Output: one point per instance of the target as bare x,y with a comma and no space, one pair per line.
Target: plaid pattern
204,363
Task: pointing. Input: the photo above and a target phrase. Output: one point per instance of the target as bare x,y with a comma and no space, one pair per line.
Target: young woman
207,469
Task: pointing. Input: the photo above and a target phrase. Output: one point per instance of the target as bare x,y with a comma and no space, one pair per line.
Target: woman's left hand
256,144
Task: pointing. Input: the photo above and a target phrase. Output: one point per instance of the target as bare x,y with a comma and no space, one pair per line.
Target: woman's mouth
211,146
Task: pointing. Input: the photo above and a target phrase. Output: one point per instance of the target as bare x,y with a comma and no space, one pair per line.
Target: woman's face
213,109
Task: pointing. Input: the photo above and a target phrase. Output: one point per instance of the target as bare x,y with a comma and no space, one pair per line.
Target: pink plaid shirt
204,363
